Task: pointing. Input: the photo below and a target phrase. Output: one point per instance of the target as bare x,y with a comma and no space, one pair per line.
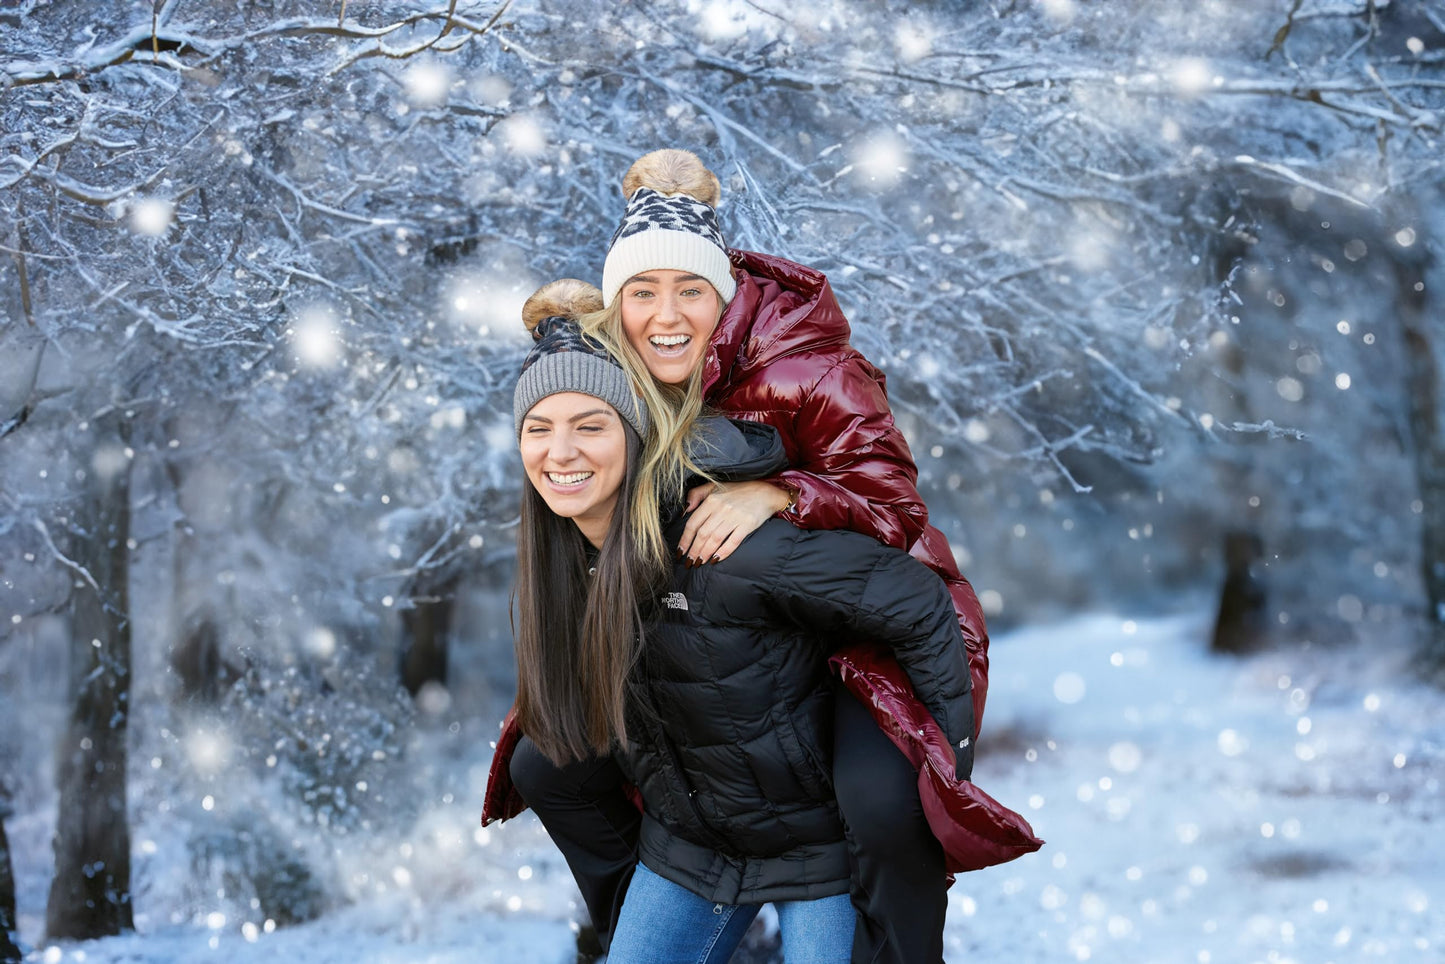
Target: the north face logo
675,600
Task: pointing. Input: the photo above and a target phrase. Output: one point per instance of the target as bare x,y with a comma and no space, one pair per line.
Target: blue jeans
663,923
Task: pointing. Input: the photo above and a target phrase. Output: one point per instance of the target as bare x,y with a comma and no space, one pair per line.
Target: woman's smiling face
668,318
574,450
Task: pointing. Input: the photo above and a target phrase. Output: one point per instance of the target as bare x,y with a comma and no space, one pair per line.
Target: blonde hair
666,460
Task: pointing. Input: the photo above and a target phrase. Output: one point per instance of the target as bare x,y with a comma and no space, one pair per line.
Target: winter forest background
1157,287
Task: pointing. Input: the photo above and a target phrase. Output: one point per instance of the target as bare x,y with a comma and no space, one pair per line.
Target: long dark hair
578,634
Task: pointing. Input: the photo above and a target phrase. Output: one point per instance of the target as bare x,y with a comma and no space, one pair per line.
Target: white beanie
670,224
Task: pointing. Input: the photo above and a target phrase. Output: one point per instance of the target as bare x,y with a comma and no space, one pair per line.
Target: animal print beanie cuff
670,224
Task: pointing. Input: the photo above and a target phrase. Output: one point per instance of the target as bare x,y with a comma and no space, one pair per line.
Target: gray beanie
566,360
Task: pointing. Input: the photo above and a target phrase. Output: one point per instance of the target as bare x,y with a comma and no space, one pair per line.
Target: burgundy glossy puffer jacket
781,355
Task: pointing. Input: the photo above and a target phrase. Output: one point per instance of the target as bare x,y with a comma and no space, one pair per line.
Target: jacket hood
780,307
730,450
736,450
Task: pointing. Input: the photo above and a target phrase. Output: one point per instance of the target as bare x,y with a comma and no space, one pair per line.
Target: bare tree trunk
1241,623
90,893
197,662
196,657
8,951
425,630
1422,389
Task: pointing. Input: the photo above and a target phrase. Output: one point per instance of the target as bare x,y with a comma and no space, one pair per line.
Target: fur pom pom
670,171
566,297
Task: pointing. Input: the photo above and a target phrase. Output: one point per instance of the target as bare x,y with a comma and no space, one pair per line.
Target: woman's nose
667,308
563,447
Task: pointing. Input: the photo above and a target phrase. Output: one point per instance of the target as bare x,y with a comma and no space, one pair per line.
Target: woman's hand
724,515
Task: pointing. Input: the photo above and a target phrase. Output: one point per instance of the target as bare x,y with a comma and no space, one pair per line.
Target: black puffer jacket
731,725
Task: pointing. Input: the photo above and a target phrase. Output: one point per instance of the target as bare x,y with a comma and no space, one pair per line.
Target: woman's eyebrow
589,413
653,280
575,418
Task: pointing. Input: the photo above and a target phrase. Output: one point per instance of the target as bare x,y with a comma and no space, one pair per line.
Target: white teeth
670,341
568,478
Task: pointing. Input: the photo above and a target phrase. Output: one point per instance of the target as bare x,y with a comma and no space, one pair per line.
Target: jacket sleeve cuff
963,758
798,495
958,728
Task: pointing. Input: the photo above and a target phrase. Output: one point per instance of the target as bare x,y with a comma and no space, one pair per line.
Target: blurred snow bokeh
1138,275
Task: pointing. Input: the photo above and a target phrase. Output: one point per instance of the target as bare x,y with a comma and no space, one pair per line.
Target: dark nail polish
715,559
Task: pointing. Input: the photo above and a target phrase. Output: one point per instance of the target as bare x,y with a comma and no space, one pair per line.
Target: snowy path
1275,809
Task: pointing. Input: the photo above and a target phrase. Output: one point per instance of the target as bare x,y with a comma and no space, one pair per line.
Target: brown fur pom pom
670,171
566,297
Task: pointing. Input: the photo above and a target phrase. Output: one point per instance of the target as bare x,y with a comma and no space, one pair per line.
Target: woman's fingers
711,536
698,534
729,545
727,516
697,493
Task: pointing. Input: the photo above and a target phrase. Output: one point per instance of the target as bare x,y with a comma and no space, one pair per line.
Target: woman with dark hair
708,686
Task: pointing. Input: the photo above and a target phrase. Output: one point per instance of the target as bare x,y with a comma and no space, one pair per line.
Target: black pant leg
589,817
899,884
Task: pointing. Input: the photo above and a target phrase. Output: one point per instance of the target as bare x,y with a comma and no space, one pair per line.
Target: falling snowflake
151,216
882,160
427,84
315,339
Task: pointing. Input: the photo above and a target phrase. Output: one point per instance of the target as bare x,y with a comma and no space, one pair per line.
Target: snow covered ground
1273,809
1279,808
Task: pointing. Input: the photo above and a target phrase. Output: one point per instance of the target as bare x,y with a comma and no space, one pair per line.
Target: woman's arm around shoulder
847,587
